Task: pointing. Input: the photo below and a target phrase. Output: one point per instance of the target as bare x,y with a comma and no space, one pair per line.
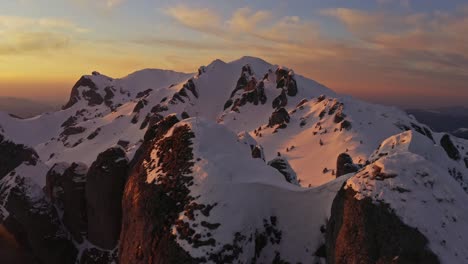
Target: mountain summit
240,162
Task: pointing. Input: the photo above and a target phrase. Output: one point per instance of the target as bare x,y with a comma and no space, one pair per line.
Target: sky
400,52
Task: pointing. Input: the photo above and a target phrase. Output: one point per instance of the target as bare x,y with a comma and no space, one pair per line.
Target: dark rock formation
109,94
361,231
142,103
72,131
282,165
12,155
466,162
292,86
345,125
74,203
105,182
185,115
75,94
257,152
345,165
144,93
449,147
280,101
150,210
54,183
97,256
279,117
36,226
321,98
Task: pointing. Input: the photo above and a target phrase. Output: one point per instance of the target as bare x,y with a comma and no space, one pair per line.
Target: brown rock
105,182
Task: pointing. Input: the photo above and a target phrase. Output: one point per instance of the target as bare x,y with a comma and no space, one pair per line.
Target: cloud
47,23
26,35
104,4
23,42
204,19
402,3
245,24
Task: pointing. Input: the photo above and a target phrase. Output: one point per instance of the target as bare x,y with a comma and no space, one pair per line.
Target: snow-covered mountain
241,162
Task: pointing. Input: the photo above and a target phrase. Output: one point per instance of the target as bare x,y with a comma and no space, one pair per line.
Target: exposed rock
54,183
257,152
93,97
75,94
142,103
346,125
97,256
449,147
345,165
279,117
361,231
158,109
292,86
466,162
74,203
72,131
185,115
302,102
150,210
94,134
12,155
71,121
109,94
150,120
38,231
321,98
280,101
282,165
105,182
144,93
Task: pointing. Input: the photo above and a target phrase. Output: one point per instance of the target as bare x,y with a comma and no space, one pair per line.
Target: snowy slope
246,194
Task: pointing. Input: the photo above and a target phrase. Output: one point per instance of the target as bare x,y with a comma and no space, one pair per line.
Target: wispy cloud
22,34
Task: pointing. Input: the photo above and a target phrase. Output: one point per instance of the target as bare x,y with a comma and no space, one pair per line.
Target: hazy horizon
396,52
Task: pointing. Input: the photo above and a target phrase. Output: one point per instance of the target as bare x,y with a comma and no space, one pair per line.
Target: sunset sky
404,52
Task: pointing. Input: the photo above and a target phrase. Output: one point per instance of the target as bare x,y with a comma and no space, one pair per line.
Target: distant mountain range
25,108
450,119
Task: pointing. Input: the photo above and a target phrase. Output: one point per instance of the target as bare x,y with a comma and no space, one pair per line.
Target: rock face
93,97
54,183
13,155
345,165
38,231
360,231
282,165
104,189
151,209
279,117
74,203
449,147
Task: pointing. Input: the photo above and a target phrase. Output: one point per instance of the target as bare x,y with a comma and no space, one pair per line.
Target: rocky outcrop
363,231
345,165
12,155
279,117
151,209
105,182
449,147
54,189
280,101
93,97
35,224
74,203
283,166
